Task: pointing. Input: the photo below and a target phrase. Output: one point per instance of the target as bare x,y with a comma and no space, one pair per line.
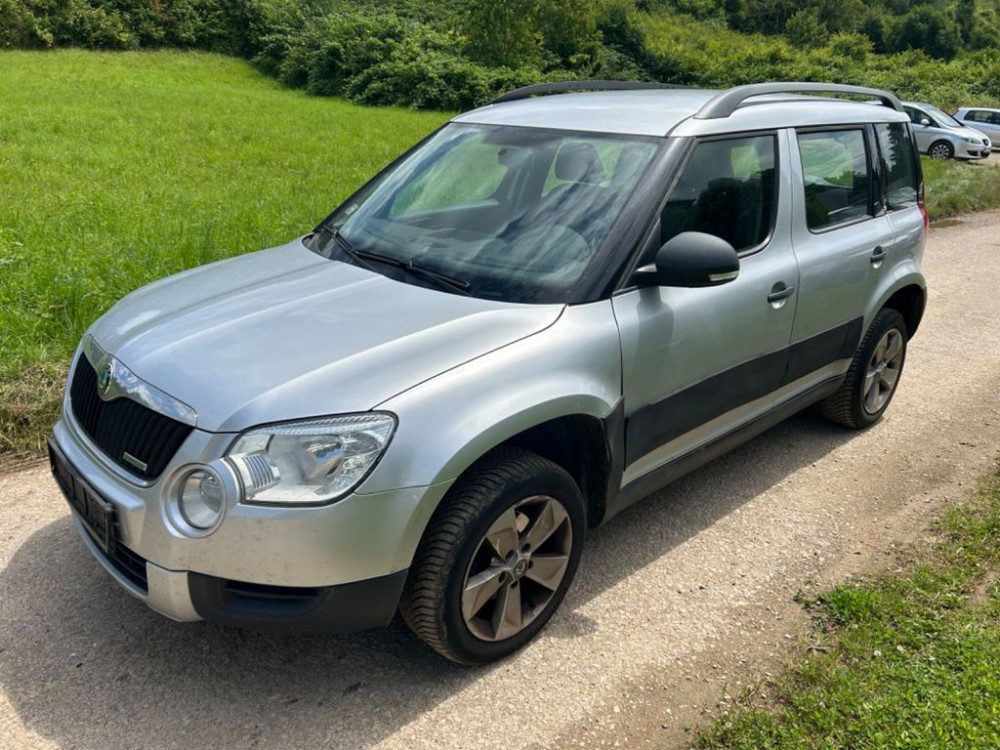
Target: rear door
842,239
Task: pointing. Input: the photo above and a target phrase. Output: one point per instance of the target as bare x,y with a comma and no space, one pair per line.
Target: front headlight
310,462
973,141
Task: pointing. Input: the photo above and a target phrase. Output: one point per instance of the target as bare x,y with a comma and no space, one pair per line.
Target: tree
502,32
804,29
965,17
928,29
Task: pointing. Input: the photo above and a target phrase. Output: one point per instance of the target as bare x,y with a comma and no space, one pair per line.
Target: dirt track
685,598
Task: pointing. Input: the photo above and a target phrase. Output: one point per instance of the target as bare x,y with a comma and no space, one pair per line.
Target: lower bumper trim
325,610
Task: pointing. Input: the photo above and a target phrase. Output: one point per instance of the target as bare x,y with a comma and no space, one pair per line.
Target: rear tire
496,559
941,150
873,375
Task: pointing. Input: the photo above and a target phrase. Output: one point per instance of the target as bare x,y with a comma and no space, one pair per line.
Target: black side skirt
661,477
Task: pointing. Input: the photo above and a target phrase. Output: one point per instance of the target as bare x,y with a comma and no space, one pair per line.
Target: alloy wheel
883,370
517,568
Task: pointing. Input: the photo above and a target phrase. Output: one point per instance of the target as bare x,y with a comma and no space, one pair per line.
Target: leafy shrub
20,28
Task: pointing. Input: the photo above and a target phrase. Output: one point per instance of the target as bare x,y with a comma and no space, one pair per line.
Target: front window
511,213
942,118
727,188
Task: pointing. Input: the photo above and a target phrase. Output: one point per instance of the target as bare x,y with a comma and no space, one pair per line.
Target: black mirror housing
691,259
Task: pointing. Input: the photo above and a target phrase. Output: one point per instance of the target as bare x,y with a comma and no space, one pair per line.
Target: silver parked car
983,119
941,136
548,309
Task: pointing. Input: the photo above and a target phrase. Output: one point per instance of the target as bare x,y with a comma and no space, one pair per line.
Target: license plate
97,514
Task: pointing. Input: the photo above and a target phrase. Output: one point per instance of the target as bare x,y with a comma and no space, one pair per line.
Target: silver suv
548,309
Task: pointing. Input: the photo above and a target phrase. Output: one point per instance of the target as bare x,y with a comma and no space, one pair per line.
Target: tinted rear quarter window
896,149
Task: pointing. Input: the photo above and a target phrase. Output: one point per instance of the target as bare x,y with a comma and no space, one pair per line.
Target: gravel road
682,600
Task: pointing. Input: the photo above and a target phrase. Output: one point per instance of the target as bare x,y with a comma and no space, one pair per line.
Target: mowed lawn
119,168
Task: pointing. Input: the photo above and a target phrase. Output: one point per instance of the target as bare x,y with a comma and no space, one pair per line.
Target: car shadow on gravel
86,666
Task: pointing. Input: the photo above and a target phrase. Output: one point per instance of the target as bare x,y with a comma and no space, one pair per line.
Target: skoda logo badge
104,378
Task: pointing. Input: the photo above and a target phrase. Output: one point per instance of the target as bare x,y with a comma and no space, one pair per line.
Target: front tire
873,375
496,559
941,150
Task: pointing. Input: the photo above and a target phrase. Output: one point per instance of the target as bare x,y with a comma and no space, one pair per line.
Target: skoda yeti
551,307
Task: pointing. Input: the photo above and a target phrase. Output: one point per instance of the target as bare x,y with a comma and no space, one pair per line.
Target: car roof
672,112
978,109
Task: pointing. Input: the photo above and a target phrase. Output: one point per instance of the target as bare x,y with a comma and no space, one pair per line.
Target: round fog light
201,498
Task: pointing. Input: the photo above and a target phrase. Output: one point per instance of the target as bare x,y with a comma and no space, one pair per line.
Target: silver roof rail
563,86
726,102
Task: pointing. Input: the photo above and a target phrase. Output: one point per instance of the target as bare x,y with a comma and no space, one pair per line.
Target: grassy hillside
121,168
454,54
685,50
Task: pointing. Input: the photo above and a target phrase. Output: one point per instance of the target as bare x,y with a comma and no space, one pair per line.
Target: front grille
124,426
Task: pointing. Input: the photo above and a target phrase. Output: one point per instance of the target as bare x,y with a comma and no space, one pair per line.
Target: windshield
943,117
510,213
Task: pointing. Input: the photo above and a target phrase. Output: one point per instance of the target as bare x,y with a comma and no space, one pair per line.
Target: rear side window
835,170
727,188
982,115
896,149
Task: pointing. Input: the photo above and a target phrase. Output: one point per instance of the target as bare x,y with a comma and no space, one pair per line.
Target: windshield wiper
345,246
361,258
443,280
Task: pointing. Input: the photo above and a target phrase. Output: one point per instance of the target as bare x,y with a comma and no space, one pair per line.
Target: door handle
780,292
878,255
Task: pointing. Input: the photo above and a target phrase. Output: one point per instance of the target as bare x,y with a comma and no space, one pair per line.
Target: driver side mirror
924,121
691,259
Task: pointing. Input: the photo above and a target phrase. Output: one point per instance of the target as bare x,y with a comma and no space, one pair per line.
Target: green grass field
120,168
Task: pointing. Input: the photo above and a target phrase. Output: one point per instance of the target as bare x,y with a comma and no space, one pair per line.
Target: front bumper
337,568
189,597
969,151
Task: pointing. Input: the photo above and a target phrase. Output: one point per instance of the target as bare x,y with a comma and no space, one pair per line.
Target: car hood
973,133
286,334
967,132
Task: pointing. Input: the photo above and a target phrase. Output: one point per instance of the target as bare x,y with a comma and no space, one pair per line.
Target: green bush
456,53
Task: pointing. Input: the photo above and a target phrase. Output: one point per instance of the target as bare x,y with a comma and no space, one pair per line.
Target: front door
697,362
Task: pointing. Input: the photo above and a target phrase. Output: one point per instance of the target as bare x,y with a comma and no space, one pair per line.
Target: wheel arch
579,444
908,302
582,444
942,142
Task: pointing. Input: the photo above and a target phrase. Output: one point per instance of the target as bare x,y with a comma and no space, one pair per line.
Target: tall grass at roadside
119,168
955,187
902,661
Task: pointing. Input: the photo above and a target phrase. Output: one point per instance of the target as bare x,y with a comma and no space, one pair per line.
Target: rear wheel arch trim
910,302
